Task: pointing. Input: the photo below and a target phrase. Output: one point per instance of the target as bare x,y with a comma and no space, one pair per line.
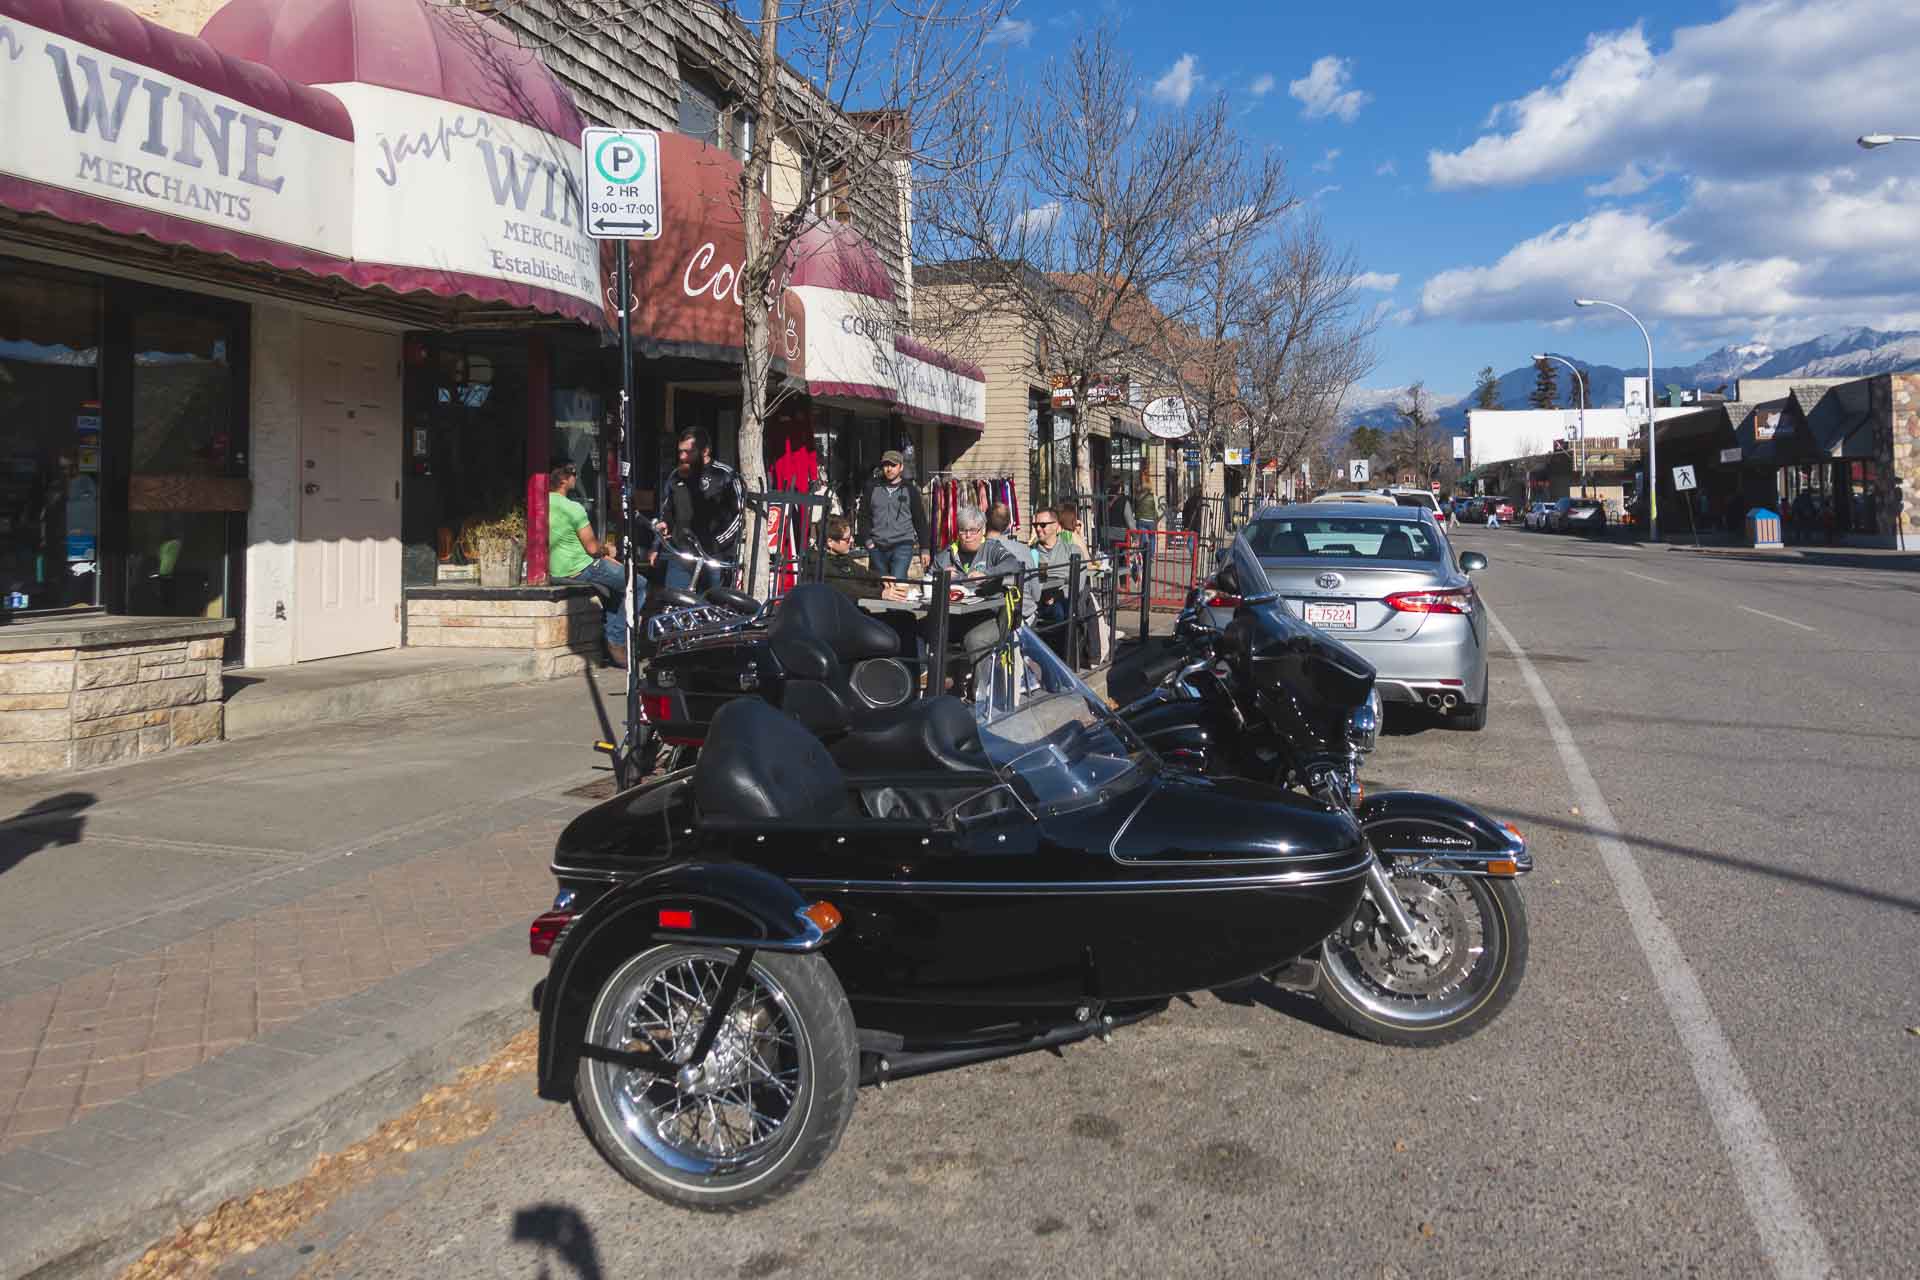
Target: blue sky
1692,160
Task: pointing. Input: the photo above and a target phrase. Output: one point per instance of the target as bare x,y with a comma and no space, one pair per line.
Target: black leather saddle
760,765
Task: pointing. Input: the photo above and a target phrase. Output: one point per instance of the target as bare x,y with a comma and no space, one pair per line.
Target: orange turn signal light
824,915
1503,867
1513,831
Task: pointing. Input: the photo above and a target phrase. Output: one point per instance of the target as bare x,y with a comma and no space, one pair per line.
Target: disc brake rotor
1448,939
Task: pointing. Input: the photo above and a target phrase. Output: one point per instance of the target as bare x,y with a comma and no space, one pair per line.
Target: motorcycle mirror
1471,561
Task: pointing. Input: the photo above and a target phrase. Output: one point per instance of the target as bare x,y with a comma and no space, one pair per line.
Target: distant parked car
1500,507
1419,499
1578,515
1536,516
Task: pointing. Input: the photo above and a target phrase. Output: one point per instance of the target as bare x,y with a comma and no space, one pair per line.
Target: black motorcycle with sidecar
737,946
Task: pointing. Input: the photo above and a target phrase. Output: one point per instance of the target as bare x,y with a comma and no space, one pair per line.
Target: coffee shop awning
466,148
117,123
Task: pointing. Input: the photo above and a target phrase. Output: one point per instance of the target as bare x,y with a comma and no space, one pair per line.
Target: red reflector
658,707
1222,601
1455,601
676,919
545,931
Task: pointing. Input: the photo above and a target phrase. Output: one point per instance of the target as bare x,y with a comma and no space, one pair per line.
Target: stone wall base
566,622
106,702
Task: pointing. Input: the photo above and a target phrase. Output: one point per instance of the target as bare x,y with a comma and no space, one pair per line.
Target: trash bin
1763,528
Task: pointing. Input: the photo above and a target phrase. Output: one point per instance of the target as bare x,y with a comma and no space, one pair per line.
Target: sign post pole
622,203
623,282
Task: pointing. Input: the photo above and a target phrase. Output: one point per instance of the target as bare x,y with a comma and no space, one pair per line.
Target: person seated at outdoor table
1053,555
1000,529
576,554
974,558
855,578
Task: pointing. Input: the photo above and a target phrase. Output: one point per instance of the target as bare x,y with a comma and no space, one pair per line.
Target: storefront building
1851,445
208,270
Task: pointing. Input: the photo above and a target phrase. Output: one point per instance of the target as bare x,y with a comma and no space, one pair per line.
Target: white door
347,596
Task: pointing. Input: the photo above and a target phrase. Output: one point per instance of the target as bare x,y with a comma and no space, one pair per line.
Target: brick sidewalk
105,1035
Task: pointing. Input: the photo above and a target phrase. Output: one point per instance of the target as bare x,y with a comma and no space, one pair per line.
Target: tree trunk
759,283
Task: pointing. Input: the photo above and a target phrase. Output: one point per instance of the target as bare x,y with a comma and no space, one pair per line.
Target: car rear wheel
1473,717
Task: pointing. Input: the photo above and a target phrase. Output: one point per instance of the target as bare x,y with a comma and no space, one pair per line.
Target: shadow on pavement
53,821
1838,558
559,1231
1727,860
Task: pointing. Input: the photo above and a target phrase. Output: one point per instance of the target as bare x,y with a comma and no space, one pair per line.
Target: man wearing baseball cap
893,520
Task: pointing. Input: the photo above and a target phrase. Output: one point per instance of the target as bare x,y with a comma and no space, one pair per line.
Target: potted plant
497,544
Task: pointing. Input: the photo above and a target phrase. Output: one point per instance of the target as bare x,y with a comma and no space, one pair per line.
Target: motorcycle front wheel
765,1108
1462,966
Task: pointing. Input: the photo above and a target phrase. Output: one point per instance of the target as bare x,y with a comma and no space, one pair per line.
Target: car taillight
658,707
1454,601
546,930
1221,600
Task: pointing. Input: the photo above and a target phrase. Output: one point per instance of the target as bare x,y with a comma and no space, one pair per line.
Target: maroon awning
116,122
467,149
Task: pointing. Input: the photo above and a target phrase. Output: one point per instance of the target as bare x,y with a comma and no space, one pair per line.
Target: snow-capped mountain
1847,353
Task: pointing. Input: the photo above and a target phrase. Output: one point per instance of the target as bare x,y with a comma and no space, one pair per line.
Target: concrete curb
105,1188
253,717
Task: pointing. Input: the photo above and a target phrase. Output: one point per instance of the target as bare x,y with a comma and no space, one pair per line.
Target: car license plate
1330,615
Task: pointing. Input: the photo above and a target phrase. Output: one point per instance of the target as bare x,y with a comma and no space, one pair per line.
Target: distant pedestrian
1802,516
893,520
1493,515
1148,509
1190,513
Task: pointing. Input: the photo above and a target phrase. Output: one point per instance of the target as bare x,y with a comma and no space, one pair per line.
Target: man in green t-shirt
574,554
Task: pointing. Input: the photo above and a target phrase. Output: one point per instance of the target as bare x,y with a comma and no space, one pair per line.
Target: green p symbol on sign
620,159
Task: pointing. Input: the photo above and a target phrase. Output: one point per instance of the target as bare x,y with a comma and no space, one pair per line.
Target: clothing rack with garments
948,491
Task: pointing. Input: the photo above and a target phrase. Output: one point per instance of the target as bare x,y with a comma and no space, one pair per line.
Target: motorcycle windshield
1247,567
1050,737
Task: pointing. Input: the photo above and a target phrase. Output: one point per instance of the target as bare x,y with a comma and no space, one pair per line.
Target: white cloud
1262,85
1775,86
1768,221
1384,281
1630,181
1323,91
1179,82
1386,169
1325,163
1325,191
1625,257
1039,220
1011,31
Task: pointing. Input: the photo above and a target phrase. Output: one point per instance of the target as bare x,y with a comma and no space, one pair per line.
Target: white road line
1646,577
1792,1244
1762,613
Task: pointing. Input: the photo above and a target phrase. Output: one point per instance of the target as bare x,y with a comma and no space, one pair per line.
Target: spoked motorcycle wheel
1455,976
768,1104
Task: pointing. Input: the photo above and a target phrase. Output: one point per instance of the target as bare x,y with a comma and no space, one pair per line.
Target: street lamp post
1653,447
1580,380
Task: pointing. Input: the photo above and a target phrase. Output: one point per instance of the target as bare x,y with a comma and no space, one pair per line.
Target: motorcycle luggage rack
692,619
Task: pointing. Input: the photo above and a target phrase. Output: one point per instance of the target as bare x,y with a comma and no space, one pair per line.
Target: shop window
49,439
187,493
466,414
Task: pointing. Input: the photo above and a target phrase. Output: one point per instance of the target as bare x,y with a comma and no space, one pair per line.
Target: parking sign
623,183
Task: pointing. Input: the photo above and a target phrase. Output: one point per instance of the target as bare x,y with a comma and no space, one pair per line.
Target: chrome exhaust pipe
1450,702
1433,701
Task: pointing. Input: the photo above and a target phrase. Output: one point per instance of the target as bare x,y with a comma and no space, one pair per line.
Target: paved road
1751,731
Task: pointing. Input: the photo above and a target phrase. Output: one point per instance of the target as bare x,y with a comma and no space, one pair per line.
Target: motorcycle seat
931,735
728,598
818,633
760,766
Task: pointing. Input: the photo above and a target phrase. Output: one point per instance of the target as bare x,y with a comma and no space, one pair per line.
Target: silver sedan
1386,582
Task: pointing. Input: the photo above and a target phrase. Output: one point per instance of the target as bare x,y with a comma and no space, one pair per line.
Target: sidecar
736,946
